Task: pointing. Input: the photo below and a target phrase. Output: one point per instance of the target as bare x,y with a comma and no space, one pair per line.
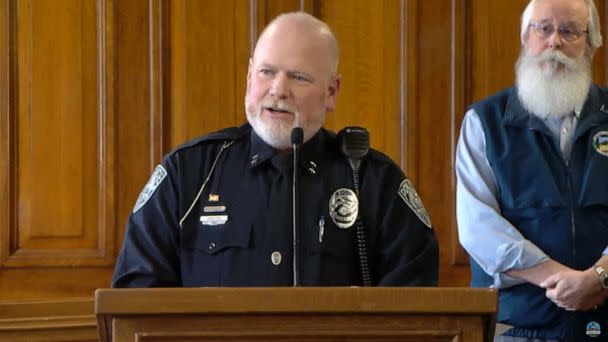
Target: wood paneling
434,85
60,133
51,282
139,103
209,50
370,65
48,321
94,92
6,129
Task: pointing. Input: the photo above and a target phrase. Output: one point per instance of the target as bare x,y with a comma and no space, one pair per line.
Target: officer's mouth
278,112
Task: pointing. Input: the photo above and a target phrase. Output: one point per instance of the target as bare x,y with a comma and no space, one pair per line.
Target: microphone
297,137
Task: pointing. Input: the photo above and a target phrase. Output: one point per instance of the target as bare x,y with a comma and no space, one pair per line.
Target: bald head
307,32
291,79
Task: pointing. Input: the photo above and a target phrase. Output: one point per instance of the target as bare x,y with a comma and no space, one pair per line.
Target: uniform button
212,245
275,257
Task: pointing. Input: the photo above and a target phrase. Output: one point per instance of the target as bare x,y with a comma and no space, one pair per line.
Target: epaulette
381,157
226,134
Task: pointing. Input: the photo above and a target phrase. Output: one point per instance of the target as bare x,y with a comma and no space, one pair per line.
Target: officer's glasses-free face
569,32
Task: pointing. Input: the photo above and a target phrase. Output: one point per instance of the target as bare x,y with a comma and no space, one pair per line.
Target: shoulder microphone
354,145
297,137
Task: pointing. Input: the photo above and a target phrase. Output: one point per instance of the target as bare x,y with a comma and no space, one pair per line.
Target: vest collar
595,110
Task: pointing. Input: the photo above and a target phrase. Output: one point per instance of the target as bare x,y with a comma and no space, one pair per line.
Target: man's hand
575,290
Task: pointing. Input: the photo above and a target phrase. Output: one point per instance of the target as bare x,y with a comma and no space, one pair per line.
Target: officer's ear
332,93
249,69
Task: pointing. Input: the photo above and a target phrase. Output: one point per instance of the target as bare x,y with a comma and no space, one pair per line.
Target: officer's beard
552,84
277,133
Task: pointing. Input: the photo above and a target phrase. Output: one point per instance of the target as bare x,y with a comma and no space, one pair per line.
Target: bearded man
218,210
532,195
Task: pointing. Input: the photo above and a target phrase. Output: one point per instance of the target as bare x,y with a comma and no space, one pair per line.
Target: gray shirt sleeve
491,240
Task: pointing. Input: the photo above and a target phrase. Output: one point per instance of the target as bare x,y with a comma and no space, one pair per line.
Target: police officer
218,210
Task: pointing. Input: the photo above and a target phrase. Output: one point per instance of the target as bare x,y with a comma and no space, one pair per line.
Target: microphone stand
297,136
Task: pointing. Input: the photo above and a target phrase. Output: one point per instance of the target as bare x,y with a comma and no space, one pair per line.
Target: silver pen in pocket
321,228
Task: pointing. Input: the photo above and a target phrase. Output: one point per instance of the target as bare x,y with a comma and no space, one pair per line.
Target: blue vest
560,205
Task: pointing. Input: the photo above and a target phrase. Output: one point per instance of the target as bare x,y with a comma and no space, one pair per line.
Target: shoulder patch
157,177
411,198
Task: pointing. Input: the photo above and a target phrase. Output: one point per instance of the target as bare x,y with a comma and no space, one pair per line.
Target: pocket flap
213,239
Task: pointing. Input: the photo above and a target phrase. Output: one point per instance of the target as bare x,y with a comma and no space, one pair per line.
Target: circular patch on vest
600,143
344,207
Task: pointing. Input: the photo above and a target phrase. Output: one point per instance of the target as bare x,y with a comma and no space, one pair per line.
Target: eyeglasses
568,32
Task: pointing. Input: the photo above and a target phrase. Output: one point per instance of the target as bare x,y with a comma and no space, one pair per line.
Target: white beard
554,89
277,133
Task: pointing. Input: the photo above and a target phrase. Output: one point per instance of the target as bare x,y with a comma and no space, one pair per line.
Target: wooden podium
303,314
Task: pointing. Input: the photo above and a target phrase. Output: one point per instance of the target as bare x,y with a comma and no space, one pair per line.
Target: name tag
213,220
214,209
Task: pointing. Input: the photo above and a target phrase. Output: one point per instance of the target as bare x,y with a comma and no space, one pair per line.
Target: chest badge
593,329
344,208
600,143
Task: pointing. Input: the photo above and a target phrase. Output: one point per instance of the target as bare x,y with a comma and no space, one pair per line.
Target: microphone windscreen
297,136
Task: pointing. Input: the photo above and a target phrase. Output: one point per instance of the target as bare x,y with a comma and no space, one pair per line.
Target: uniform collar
595,110
312,153
259,151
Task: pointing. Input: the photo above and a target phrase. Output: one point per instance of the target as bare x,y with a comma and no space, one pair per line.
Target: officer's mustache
277,106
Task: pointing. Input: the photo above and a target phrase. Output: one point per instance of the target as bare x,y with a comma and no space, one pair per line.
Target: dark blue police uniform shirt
237,229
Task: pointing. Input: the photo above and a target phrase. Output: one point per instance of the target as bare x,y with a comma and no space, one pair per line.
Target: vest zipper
571,204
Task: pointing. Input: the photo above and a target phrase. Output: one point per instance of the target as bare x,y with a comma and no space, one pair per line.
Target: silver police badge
157,177
411,198
344,207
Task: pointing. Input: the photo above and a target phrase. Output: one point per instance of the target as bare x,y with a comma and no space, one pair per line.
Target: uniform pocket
333,241
215,239
210,254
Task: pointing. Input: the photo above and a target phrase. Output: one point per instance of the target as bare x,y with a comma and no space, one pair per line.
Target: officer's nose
280,87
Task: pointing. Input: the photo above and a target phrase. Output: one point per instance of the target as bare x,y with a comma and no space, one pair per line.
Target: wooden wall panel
6,154
431,127
48,321
263,11
370,57
209,52
94,92
62,131
139,105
